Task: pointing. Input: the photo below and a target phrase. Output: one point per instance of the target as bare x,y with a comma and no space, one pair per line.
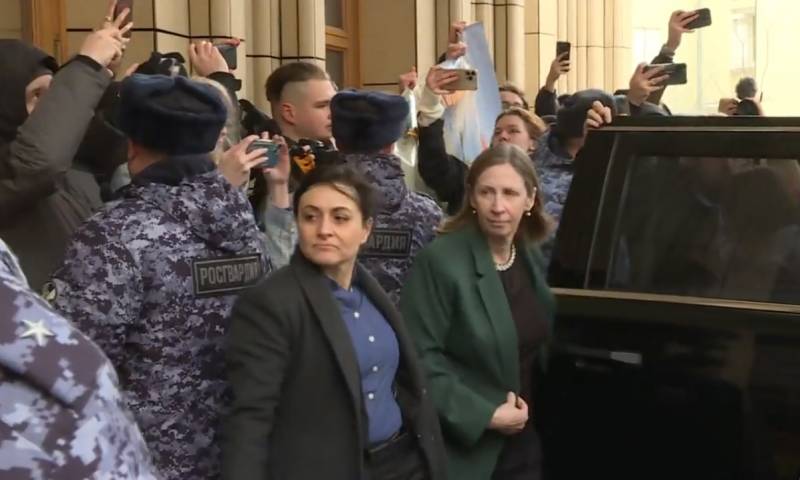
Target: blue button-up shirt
378,356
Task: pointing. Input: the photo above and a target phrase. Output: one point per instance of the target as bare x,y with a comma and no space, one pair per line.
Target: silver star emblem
38,331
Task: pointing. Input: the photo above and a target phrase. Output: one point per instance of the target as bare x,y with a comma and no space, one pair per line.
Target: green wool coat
457,313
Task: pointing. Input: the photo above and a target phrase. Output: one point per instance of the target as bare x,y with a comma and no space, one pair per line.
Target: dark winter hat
20,63
172,115
365,122
170,64
572,116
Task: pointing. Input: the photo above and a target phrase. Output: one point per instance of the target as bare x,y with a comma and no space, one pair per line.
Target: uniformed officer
366,126
153,277
61,411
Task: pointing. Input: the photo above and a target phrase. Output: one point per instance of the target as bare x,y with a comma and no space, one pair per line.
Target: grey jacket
43,197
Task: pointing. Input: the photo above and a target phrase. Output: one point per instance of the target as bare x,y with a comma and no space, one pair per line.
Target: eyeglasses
507,105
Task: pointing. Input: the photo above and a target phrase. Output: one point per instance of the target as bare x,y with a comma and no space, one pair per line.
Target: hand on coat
510,418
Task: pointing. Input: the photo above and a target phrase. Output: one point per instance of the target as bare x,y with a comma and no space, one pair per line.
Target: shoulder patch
388,243
225,275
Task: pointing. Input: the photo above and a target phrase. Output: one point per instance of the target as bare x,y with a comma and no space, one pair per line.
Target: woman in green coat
480,311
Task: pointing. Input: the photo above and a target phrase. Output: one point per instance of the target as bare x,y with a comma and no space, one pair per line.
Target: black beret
172,115
572,116
365,122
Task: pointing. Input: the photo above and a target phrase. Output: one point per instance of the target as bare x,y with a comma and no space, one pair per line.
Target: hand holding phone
228,51
563,48
703,19
120,7
675,72
271,157
466,79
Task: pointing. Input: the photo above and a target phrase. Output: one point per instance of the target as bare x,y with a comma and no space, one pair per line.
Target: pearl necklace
502,267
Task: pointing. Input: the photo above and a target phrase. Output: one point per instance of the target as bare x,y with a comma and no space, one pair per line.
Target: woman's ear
367,230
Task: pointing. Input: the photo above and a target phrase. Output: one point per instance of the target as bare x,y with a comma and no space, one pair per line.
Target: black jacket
297,412
43,196
443,173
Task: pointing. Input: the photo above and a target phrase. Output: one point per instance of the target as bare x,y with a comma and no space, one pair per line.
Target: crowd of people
183,309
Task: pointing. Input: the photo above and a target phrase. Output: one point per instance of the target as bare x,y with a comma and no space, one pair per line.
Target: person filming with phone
44,114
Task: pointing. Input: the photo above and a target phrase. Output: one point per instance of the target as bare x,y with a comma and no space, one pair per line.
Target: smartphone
563,47
703,19
122,5
272,148
676,72
228,52
467,80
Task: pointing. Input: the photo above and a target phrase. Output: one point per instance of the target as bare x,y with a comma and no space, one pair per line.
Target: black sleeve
443,173
257,360
546,102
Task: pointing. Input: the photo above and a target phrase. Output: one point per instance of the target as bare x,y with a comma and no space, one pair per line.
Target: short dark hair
346,180
746,88
289,73
511,88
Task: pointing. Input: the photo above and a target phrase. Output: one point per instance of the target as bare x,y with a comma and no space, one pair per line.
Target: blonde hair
533,228
536,126
232,123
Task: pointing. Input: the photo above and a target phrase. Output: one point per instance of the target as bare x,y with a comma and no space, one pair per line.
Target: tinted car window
709,227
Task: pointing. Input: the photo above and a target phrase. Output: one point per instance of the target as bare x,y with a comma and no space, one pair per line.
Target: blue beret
365,122
572,116
172,115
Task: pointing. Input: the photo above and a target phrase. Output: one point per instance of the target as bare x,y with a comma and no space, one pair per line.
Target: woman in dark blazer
480,311
326,380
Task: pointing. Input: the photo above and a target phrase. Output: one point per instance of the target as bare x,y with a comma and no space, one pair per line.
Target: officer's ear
368,223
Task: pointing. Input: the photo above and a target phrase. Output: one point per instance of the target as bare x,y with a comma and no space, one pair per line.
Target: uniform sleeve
49,138
425,304
257,359
280,234
546,103
99,288
443,173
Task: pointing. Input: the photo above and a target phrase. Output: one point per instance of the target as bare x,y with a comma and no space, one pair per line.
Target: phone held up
122,5
703,19
467,79
676,72
562,48
228,51
271,157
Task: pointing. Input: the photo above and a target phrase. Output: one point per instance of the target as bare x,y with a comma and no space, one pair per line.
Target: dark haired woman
479,309
325,378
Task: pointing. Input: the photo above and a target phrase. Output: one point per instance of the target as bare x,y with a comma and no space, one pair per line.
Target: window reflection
711,227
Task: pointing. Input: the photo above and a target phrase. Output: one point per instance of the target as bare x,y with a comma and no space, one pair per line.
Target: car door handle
621,356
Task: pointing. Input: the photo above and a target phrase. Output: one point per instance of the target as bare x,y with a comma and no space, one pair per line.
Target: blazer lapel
498,312
327,312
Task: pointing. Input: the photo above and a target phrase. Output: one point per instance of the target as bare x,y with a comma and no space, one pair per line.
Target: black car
677,272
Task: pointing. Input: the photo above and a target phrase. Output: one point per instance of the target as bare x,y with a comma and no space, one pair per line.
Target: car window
710,227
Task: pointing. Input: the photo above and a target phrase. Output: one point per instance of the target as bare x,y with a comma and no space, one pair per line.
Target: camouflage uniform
152,279
406,223
555,168
62,415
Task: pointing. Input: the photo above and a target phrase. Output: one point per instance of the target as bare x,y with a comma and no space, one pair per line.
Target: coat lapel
495,303
327,312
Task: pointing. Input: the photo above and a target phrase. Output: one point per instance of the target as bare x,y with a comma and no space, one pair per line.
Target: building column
263,49
509,38
483,11
595,45
541,28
